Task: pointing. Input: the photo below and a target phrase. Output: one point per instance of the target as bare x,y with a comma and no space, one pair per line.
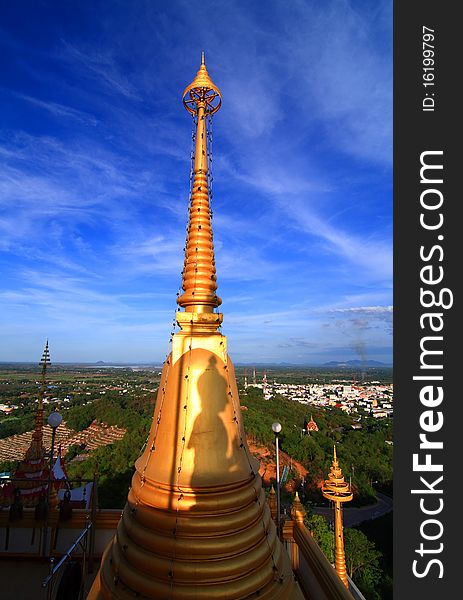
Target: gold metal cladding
338,491
205,434
199,274
196,525
202,90
335,488
204,531
298,511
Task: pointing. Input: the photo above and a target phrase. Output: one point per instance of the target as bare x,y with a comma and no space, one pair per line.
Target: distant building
311,425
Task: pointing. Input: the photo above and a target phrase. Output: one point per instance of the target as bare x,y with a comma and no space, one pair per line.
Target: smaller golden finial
272,502
338,491
202,58
298,511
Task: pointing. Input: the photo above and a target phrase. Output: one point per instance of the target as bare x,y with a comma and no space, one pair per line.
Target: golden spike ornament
34,468
196,525
338,491
36,450
201,99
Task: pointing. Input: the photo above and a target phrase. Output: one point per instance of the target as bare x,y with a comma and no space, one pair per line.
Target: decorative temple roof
311,425
36,450
34,469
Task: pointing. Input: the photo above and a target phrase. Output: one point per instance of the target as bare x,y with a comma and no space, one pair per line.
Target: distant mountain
355,363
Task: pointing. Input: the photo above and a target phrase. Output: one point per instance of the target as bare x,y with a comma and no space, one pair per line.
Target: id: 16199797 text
428,69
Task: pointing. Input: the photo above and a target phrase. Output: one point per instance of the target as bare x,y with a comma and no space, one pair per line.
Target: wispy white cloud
101,66
364,249
59,110
370,252
370,310
343,74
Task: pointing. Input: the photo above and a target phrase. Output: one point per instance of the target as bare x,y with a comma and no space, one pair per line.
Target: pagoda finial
202,58
298,511
201,98
335,458
338,491
36,450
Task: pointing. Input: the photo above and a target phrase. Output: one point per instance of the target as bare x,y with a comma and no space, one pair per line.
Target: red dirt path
267,468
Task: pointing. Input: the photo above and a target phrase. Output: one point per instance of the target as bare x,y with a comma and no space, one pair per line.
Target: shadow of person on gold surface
209,437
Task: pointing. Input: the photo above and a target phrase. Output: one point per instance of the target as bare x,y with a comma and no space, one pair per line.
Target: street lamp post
54,420
276,427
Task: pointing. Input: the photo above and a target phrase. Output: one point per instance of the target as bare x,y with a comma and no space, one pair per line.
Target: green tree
74,450
363,562
322,534
362,557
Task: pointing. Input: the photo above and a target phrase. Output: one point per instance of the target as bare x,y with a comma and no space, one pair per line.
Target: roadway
353,516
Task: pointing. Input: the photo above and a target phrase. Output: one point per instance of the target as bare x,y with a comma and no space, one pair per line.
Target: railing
84,543
94,528
353,589
316,576
33,504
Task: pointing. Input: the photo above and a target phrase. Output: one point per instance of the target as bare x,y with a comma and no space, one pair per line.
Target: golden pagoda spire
36,449
196,525
202,99
338,491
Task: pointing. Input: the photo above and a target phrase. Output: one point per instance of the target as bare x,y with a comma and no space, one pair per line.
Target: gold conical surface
338,491
196,525
202,86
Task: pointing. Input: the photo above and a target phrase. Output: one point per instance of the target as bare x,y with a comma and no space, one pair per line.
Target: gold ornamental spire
196,525
36,450
338,491
201,99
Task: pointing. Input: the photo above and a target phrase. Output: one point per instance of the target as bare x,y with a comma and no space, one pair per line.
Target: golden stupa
196,524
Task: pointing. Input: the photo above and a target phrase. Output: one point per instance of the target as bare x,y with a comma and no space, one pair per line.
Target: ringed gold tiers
196,524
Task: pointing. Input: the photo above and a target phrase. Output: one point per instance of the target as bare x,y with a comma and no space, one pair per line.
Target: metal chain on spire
233,400
179,490
162,390
210,178
190,197
167,361
201,98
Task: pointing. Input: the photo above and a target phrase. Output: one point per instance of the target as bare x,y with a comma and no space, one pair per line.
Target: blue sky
94,176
